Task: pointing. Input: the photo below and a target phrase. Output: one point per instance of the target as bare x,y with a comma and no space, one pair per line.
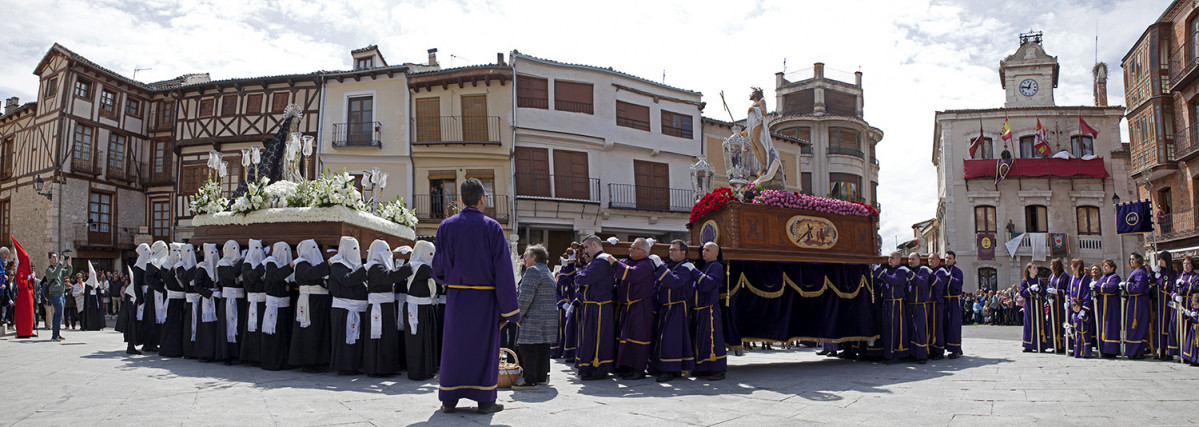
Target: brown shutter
428,119
652,185
474,118
532,172
571,178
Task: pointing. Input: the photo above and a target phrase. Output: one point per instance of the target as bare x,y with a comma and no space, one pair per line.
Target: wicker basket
510,372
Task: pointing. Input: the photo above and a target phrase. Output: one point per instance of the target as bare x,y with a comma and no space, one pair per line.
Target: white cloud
917,56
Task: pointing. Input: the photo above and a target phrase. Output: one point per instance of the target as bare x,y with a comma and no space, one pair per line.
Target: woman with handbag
539,318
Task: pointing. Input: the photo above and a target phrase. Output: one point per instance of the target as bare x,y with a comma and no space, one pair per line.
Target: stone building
1067,199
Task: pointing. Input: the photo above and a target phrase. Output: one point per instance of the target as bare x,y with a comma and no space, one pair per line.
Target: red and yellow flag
1007,130
1039,143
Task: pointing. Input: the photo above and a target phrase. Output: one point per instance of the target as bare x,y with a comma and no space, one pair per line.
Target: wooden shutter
632,115
428,119
532,92
571,178
228,105
279,102
254,104
474,118
573,97
532,171
653,185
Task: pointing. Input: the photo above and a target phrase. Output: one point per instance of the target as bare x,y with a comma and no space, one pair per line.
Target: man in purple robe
710,354
635,292
564,347
472,258
673,292
1106,298
918,285
1079,312
1167,324
953,307
893,280
1136,308
596,289
936,307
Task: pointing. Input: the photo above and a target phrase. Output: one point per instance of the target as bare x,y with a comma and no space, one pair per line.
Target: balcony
806,149
1062,168
557,187
646,198
846,151
432,208
365,134
1184,67
1090,243
874,160
1186,143
120,238
151,179
1176,226
84,166
456,130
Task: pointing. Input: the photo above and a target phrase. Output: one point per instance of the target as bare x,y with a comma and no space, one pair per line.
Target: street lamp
38,184
701,177
1115,198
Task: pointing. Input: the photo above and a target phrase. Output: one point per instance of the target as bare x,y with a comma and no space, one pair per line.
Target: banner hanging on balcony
1013,245
1058,245
986,246
783,301
1134,217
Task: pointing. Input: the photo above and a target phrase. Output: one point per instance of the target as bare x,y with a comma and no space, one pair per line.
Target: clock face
1028,87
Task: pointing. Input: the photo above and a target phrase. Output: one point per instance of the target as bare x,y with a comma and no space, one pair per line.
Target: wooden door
361,117
557,243
428,120
571,178
99,214
532,171
652,185
474,118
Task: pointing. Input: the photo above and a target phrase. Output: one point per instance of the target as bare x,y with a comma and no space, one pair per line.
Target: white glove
1094,286
1123,285
689,266
1179,282
570,308
651,242
266,250
1178,298
404,249
1034,288
1193,314
657,260
571,258
604,257
563,261
613,240
1051,290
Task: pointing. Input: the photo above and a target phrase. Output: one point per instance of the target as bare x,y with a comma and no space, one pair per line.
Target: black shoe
922,361
132,350
716,377
823,352
639,375
593,377
449,407
1107,356
1028,350
347,372
664,377
524,385
955,355
938,357
491,408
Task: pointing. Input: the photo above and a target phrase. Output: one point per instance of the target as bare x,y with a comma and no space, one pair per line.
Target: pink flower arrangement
785,199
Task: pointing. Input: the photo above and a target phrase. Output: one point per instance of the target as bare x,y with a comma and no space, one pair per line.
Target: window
361,118
6,154
83,89
988,279
845,186
1193,39
844,141
474,118
229,105
232,178
532,92
652,181
487,178
116,154
160,220
108,104
254,104
1088,221
133,107
192,178
874,193
573,97
166,114
532,171
632,115
798,132
986,150
806,183
206,107
442,187
428,119
84,148
160,160
675,124
1027,151
279,102
571,179
364,63
99,217
1082,145
984,219
5,221
1035,220
51,87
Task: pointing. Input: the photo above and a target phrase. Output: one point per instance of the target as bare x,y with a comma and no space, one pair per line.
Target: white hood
232,253
348,253
380,254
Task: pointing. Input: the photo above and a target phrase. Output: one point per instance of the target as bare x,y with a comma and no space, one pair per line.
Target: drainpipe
320,128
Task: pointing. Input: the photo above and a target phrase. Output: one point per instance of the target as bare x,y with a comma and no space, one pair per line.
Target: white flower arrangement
329,190
396,211
281,193
293,214
208,199
255,197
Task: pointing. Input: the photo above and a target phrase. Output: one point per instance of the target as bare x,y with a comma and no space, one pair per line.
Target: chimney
1100,73
499,58
433,57
11,105
818,70
857,77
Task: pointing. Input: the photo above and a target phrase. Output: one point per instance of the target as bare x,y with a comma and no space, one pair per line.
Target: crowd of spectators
1002,307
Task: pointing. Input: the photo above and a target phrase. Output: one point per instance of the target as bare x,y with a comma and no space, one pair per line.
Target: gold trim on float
743,282
819,340
472,387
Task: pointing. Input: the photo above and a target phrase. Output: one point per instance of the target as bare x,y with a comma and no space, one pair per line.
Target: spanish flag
1007,130
1040,144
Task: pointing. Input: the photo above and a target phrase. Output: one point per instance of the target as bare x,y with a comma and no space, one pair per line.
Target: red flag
979,141
1083,128
24,309
1040,145
1007,130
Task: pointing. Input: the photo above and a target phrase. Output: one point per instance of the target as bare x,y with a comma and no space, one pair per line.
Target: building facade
1161,81
1067,199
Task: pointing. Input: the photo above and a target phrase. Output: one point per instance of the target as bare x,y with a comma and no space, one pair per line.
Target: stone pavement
88,380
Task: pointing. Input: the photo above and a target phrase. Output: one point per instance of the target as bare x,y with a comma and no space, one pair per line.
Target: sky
917,56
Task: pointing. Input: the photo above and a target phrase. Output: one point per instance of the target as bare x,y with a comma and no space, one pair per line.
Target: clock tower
1029,75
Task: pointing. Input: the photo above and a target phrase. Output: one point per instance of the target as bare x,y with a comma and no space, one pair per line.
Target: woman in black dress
347,284
381,353
172,330
276,319
209,341
185,273
310,334
154,302
232,306
251,279
133,309
93,301
421,317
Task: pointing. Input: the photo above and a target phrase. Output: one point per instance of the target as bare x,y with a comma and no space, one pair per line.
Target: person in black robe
381,351
134,294
232,306
310,334
172,331
347,284
154,300
93,302
252,271
185,272
277,317
209,341
421,316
